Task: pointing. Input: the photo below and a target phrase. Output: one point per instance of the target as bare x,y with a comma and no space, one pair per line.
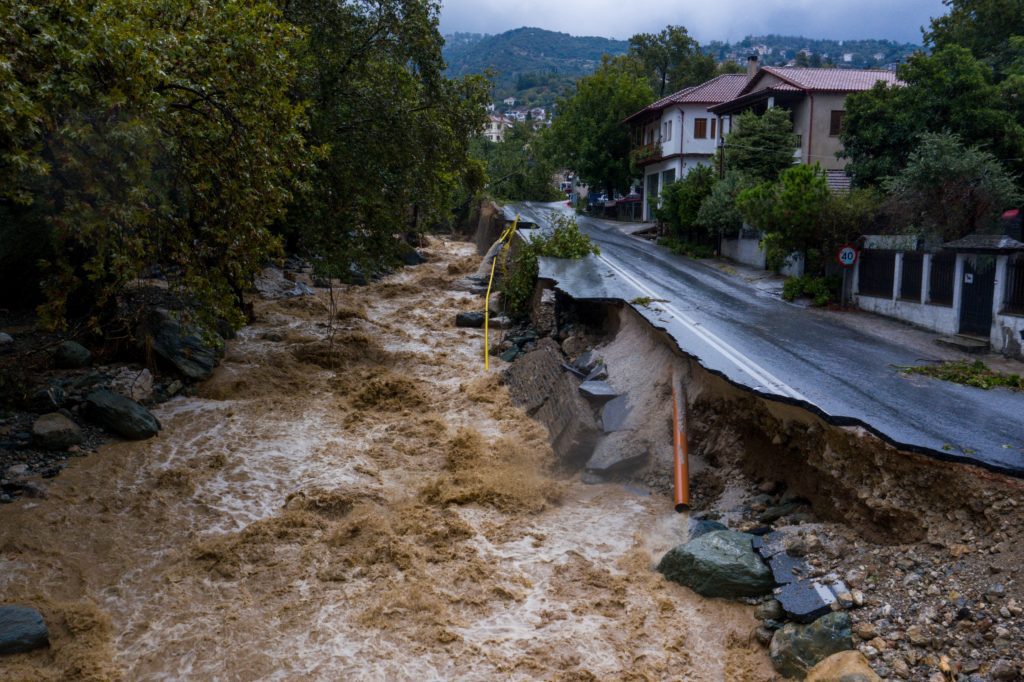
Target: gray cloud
706,20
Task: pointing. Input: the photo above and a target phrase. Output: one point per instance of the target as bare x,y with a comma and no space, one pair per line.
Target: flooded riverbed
370,507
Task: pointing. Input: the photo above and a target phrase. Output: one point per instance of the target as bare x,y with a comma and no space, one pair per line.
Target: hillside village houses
494,129
681,131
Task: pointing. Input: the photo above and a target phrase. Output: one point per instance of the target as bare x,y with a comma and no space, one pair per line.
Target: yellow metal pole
487,300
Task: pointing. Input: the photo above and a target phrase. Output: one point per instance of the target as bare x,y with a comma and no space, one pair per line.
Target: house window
835,124
667,128
700,128
1013,298
714,125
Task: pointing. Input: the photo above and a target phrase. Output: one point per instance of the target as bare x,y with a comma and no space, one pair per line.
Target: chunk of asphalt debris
787,569
807,600
573,370
586,362
597,391
615,414
599,373
771,544
473,319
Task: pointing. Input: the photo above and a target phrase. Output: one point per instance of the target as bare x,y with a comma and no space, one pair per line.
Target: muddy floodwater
371,507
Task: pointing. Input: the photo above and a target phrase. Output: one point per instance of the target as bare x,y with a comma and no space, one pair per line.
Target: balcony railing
646,153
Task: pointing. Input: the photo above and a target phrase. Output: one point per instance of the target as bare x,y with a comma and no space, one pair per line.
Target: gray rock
6,340
769,610
21,629
72,355
184,351
721,563
597,391
773,514
511,354
700,527
615,414
795,649
54,431
619,452
121,415
472,319
1003,670
48,399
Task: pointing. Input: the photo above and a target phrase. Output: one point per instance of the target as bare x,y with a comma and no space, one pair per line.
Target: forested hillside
533,64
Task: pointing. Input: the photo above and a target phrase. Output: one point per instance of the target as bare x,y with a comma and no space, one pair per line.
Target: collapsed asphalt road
782,352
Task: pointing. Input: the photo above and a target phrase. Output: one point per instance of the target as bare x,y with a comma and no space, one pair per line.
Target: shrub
685,248
519,275
821,290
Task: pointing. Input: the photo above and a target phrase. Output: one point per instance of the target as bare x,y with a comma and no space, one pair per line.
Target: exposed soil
362,502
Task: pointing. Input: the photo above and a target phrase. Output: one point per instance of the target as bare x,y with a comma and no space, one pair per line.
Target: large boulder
21,629
121,415
72,355
795,649
846,666
54,431
471,319
184,351
721,563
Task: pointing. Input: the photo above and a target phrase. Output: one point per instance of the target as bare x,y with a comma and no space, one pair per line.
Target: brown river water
369,509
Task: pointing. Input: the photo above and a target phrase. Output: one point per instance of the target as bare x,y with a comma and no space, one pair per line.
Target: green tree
948,189
985,27
789,212
519,167
672,59
588,135
718,213
147,133
681,201
761,146
395,131
948,90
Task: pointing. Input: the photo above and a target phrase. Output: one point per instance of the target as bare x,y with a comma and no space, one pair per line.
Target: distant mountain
776,50
531,64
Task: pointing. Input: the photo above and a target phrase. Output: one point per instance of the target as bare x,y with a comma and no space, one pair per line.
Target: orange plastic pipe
681,447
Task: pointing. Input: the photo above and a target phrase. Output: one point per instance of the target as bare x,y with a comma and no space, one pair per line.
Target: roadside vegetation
519,272
976,374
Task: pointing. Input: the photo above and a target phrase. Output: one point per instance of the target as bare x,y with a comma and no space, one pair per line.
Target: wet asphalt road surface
783,352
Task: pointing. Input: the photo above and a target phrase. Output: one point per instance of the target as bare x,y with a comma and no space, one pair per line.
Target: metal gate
978,290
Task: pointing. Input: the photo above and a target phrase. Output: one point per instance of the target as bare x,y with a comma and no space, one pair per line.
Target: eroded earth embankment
357,500
932,550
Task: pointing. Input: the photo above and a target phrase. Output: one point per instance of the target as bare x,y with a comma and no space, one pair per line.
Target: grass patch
646,301
976,374
821,290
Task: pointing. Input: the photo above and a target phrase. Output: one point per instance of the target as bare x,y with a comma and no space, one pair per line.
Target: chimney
752,66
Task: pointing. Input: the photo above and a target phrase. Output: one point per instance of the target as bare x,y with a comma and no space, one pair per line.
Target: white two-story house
678,133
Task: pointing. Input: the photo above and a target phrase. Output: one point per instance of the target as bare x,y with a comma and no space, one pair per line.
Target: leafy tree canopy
519,167
718,213
588,135
761,146
672,59
985,27
949,190
681,201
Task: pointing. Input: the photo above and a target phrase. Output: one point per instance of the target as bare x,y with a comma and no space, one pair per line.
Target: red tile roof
719,89
825,80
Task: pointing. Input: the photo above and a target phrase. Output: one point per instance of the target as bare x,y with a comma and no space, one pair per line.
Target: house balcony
645,154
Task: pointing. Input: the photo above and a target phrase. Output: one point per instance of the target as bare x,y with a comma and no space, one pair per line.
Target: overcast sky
706,20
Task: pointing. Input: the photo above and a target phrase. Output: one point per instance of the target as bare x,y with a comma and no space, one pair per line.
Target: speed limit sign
847,256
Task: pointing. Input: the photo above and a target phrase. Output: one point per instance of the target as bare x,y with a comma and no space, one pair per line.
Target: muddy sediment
357,498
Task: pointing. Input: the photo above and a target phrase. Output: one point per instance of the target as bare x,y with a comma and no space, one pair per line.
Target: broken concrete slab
619,452
804,601
598,391
787,569
599,373
615,415
587,362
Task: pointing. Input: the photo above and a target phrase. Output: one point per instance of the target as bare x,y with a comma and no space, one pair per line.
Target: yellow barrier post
487,300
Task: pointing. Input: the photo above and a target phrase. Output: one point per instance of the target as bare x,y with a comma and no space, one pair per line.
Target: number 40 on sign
847,256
